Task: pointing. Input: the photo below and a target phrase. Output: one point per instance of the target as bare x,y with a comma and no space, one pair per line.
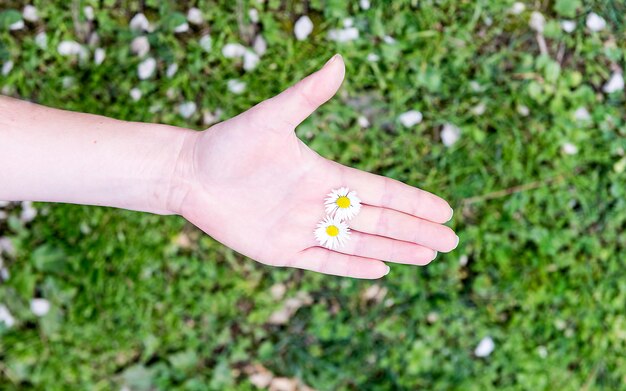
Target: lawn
522,129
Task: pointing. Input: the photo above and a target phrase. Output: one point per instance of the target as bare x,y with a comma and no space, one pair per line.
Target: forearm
62,156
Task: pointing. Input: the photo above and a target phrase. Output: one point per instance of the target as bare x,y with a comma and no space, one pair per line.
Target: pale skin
248,182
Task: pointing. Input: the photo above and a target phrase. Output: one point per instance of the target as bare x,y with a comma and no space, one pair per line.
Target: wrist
179,177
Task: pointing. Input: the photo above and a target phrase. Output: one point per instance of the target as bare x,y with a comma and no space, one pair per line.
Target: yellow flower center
331,230
343,202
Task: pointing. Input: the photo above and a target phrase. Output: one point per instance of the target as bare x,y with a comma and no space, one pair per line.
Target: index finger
389,193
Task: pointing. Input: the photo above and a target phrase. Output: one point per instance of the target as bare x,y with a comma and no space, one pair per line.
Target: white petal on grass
363,121
236,86
4,274
182,28
410,118
88,11
569,148
146,68
69,48
39,307
94,39
582,114
6,317
348,22
171,70
68,81
41,40
364,4
29,13
17,25
595,22
7,67
463,260
135,94
250,60
209,118
615,83
537,22
4,204
28,212
373,57
389,40
517,8
343,35
187,109
98,56
206,42
194,16
7,247
450,134
542,351
485,347
479,109
139,22
568,25
303,28
140,46
233,50
253,14
259,45
522,110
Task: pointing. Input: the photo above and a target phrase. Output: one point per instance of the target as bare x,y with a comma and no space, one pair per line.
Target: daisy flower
332,232
342,203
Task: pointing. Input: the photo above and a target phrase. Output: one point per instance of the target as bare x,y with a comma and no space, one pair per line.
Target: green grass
543,231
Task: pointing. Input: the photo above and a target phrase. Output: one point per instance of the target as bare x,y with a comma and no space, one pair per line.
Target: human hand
250,183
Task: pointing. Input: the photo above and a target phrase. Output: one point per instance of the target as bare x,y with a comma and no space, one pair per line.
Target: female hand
250,183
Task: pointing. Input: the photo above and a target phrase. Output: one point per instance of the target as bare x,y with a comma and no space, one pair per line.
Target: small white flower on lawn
450,134
365,4
182,28
194,16
7,67
343,35
28,213
30,13
88,11
522,110
146,68
389,40
479,109
98,56
206,42
6,246
410,118
542,351
171,70
41,40
69,48
363,121
537,21
342,203
139,22
332,232
303,27
581,114
4,274
233,50
236,86
209,118
485,347
373,57
39,307
259,45
135,94
140,46
615,83
568,25
475,86
517,8
253,14
17,25
250,60
348,22
6,317
68,81
595,22
187,109
569,148
463,260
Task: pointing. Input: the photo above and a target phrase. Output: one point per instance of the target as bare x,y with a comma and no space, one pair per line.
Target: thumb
296,103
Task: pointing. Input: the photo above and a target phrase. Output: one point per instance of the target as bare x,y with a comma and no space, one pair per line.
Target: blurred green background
523,130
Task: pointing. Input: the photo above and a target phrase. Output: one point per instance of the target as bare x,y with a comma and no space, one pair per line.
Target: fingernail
388,269
457,241
435,256
332,59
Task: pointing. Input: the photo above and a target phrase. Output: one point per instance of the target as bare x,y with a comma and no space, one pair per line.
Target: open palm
255,187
